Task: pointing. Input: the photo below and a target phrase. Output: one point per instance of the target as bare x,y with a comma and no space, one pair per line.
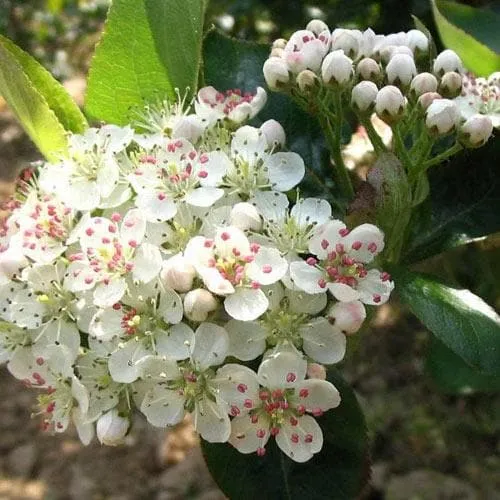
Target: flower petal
286,170
247,339
105,295
282,370
177,344
163,407
364,242
204,196
316,394
211,421
322,341
247,436
237,386
302,441
373,290
246,304
123,361
211,343
147,262
307,277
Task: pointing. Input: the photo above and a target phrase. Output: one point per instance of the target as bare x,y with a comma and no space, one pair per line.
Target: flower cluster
384,74
146,268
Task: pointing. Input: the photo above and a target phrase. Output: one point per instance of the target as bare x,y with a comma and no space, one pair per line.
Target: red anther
372,247
242,387
50,407
284,405
311,261
339,248
225,236
266,268
254,247
332,271
277,394
301,409
324,244
89,231
385,276
116,217
261,433
294,438
248,403
293,421
263,395
249,258
343,232
308,438
255,285
235,411
161,196
376,298
304,393
291,377
89,280
317,412
203,174
332,255
236,252
40,361
112,229
275,431
347,261
356,245
322,283
117,306
106,241
132,243
254,419
261,452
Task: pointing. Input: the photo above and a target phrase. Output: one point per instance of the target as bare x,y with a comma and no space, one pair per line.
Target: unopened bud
279,43
337,68
363,96
423,83
442,116
274,133
277,52
245,216
425,100
111,428
315,370
317,26
345,40
494,79
446,61
368,69
198,304
417,41
401,70
276,72
390,104
389,51
450,85
476,131
306,51
177,273
307,80
347,316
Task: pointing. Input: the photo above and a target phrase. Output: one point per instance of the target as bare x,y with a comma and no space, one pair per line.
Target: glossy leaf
458,318
241,67
59,101
30,107
451,375
149,48
338,472
464,203
471,32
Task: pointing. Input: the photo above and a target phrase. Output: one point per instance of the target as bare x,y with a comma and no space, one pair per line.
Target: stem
441,157
401,148
375,139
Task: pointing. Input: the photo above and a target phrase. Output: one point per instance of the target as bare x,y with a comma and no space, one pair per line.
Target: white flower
111,428
189,386
110,252
252,167
339,265
290,231
480,96
442,116
447,60
231,267
337,68
278,408
305,50
235,105
476,130
401,70
390,103
173,174
276,72
91,174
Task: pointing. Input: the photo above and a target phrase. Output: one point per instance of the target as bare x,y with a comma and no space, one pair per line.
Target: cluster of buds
132,269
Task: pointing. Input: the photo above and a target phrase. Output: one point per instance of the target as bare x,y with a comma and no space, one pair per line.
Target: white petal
147,262
271,204
79,277
306,277
158,368
163,407
82,195
244,433
105,295
84,428
282,369
178,344
170,306
326,237
204,196
322,341
25,310
123,362
246,304
216,166
306,303
80,393
237,386
373,290
286,170
370,240
58,332
268,266
247,339
306,428
40,277
211,421
211,343
156,207
343,292
249,144
107,176
347,316
231,238
133,226
316,394
311,211
215,282
115,138
106,324
119,196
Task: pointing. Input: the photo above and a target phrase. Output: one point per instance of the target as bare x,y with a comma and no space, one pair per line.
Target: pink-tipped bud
347,316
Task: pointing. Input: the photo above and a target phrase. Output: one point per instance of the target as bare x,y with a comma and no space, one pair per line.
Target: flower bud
317,26
363,96
401,70
307,80
337,68
111,428
442,116
177,273
315,370
447,60
389,51
345,40
476,131
306,51
198,304
417,41
368,69
390,104
279,43
423,83
494,79
276,72
451,84
245,216
277,52
425,100
347,316
274,133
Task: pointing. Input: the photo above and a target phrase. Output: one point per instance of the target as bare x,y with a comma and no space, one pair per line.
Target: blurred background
427,443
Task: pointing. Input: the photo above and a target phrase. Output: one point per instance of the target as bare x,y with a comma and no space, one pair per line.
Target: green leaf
452,375
337,472
60,102
461,320
230,63
454,215
149,48
30,107
471,32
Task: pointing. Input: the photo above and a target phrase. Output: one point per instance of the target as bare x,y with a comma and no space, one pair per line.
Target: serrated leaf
472,33
453,215
149,48
231,63
60,102
458,318
30,107
452,375
338,472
